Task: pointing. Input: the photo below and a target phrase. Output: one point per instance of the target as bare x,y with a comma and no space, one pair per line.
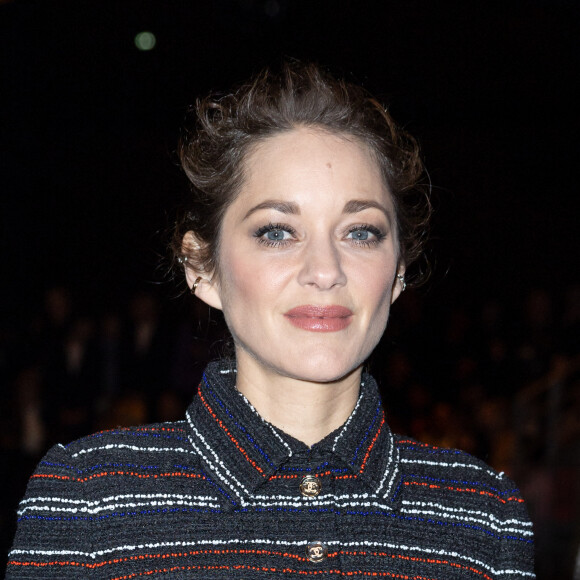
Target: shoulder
153,438
75,477
99,486
429,459
113,452
464,498
456,478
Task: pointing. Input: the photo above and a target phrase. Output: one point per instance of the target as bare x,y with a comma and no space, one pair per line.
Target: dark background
89,125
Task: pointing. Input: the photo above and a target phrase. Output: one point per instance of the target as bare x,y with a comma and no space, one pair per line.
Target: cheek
249,282
376,281
379,294
237,279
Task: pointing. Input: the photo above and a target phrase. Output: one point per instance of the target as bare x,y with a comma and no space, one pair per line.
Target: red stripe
362,467
233,439
465,489
109,473
414,559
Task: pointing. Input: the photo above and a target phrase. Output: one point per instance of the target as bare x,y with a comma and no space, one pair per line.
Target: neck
308,411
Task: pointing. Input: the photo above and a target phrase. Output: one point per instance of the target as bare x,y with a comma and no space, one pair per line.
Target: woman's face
308,256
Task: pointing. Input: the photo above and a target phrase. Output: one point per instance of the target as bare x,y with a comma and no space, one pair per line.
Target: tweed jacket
224,494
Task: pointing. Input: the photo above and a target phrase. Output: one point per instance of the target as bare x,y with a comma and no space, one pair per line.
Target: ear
208,287
398,284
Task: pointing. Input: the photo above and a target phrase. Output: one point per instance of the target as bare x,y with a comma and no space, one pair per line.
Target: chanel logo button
310,486
316,552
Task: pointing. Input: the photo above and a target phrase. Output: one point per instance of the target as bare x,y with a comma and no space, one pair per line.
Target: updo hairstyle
221,131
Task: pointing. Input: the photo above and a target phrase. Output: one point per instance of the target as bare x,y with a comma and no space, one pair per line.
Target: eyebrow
287,207
356,205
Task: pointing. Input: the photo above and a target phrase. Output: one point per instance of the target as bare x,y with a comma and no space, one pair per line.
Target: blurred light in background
145,40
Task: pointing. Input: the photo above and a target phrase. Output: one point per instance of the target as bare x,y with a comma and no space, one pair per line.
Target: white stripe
318,502
438,506
115,506
269,425
120,497
455,464
345,426
132,447
391,483
354,501
483,522
227,481
344,501
108,503
393,451
236,541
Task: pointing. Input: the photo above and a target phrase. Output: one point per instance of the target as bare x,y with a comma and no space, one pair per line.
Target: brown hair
223,130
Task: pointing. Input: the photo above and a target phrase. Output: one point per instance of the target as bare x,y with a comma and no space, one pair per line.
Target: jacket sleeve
53,536
515,559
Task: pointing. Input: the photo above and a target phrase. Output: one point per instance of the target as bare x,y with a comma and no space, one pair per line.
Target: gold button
310,486
316,552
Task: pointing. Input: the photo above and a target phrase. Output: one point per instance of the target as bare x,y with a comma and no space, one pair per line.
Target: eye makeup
274,234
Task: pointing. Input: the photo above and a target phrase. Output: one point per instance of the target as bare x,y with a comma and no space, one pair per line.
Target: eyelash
260,232
378,235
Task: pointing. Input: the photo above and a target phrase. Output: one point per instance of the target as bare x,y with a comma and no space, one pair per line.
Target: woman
307,215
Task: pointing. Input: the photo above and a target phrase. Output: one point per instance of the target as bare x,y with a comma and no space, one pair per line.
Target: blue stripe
366,435
235,422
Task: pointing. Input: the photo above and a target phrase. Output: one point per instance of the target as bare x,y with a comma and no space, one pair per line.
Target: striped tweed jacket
224,494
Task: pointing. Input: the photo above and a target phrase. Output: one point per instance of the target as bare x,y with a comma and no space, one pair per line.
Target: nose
322,265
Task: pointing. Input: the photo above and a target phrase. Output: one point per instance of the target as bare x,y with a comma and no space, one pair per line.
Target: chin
322,368
306,362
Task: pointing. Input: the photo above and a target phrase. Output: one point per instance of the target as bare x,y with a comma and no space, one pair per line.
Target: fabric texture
218,496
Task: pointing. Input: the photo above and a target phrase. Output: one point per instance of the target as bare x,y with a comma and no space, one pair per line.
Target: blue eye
365,235
359,235
276,235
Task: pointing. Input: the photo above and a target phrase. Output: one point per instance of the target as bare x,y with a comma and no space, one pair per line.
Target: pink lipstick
320,318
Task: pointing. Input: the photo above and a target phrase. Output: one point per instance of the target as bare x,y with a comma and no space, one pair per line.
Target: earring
181,259
196,284
401,279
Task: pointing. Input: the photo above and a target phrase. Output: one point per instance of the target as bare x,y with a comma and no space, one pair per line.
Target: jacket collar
241,451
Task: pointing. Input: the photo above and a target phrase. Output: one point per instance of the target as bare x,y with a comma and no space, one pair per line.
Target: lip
320,318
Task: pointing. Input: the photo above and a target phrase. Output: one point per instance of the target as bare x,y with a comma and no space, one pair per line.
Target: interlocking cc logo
316,551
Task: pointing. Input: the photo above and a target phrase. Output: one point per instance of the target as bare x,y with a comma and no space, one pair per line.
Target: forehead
305,162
